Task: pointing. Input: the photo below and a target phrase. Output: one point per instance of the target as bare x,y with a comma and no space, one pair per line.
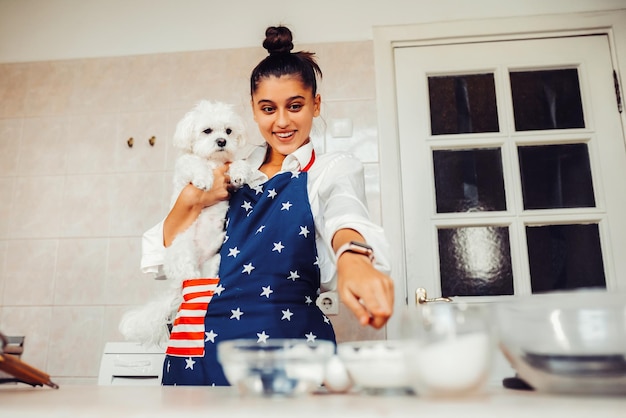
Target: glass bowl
279,367
567,342
376,366
450,348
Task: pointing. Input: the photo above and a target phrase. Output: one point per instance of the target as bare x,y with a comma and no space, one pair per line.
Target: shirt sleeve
342,204
153,250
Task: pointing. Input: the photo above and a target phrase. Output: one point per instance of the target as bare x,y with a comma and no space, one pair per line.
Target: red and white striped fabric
187,336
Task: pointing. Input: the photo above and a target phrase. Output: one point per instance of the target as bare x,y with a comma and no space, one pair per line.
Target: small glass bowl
279,367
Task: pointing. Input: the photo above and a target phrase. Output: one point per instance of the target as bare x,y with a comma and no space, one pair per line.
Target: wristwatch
357,248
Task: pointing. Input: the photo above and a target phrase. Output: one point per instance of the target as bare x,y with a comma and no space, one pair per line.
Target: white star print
168,366
189,363
247,268
295,174
293,275
210,336
326,319
317,261
271,193
278,246
218,290
286,315
225,237
310,337
308,300
304,231
286,206
236,314
261,228
233,252
262,337
246,205
258,189
267,291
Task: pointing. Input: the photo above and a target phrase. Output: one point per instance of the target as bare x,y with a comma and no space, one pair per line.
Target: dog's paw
240,173
200,184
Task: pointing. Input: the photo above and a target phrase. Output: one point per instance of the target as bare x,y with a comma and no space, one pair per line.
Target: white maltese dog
209,135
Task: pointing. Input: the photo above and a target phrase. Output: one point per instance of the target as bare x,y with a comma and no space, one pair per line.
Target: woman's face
284,109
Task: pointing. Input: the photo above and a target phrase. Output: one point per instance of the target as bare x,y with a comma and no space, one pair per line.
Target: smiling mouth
285,135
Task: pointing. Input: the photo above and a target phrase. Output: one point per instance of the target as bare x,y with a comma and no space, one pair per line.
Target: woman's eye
228,131
208,131
295,106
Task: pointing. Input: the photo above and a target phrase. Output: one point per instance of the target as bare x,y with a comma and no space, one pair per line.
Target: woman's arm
367,292
190,203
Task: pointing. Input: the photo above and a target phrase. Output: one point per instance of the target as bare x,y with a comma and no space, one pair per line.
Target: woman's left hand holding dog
192,200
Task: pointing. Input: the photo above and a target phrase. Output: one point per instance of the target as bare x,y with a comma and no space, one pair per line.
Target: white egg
337,379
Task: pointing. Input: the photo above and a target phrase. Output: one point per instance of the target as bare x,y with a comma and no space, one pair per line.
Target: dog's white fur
209,135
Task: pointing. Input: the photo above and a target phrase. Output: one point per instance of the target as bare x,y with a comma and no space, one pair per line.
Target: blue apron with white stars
269,278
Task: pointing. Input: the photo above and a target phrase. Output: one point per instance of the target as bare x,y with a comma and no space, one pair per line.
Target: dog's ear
184,134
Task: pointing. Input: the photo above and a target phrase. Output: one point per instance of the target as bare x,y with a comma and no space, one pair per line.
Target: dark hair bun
278,40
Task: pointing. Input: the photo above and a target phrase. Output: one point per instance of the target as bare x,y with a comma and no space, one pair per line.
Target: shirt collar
298,159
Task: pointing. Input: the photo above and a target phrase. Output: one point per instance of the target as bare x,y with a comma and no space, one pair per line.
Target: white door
513,167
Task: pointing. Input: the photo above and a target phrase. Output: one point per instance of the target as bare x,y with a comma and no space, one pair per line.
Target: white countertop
17,401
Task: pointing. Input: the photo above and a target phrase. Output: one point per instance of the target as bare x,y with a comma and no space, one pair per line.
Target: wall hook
152,140
130,142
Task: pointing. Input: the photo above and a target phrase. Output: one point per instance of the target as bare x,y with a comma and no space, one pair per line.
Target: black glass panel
462,104
469,180
475,261
547,99
564,257
556,176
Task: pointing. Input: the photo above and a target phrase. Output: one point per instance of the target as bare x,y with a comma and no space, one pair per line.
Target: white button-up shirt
337,196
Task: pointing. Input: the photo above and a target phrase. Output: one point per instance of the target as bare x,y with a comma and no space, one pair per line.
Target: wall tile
44,146
137,202
49,87
75,341
13,88
148,84
86,206
33,323
100,86
3,279
80,272
29,283
36,208
91,143
125,284
7,190
10,140
348,70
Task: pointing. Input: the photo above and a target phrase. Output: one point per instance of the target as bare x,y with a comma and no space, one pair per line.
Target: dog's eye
228,131
208,131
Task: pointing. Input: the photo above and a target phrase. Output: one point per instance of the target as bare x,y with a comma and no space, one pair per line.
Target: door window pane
462,104
469,180
564,257
556,176
475,261
547,99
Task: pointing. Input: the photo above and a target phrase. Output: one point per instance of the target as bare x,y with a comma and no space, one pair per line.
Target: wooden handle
24,372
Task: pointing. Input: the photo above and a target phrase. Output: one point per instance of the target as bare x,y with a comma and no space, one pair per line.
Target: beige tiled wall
75,199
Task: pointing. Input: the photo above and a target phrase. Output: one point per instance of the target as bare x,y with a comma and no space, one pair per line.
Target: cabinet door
513,163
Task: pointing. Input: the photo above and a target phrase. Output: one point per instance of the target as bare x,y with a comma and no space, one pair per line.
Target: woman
301,224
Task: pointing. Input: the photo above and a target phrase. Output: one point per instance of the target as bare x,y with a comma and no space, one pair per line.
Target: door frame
387,38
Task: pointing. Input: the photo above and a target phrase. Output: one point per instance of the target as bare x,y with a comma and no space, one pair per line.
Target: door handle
421,297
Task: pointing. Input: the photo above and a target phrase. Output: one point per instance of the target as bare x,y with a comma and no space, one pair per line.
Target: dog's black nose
221,142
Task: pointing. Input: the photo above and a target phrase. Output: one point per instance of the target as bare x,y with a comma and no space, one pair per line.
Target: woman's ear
317,105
